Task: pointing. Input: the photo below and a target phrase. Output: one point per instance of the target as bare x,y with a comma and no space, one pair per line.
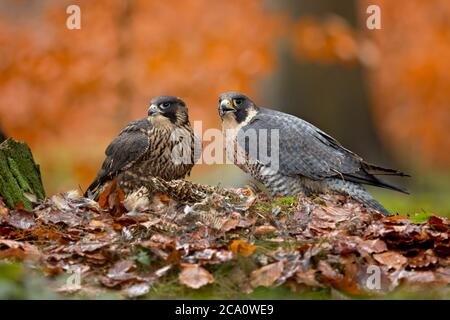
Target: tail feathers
380,171
368,175
373,181
387,185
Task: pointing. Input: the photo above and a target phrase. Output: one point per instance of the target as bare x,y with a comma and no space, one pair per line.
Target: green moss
419,217
26,165
18,174
284,201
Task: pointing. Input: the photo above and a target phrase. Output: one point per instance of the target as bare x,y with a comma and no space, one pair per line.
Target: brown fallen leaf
3,209
81,248
232,222
439,223
21,219
246,222
194,276
442,248
162,239
420,278
60,202
267,275
112,198
136,289
162,271
265,229
344,247
423,259
240,247
308,278
97,225
20,250
164,198
330,274
121,269
70,218
396,219
366,247
392,259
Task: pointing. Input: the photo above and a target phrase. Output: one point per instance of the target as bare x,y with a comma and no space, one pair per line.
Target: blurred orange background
383,93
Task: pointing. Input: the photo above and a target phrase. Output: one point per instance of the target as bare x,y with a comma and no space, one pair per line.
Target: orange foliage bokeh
68,92
408,64
411,81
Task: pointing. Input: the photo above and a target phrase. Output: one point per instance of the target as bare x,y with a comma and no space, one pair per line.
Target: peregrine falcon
308,160
161,145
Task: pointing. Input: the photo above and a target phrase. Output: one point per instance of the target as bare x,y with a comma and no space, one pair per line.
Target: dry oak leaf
21,219
366,247
164,198
439,223
240,247
86,247
112,197
121,269
21,250
232,222
329,272
194,276
136,289
265,229
266,275
308,278
423,259
391,259
3,209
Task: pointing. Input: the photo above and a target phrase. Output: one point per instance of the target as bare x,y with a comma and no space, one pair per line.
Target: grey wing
303,149
128,147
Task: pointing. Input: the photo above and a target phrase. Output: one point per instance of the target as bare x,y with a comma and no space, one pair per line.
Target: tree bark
19,174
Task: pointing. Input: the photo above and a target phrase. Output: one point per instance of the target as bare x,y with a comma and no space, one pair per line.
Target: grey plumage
310,161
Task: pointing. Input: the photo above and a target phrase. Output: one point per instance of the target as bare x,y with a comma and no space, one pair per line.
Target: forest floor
226,247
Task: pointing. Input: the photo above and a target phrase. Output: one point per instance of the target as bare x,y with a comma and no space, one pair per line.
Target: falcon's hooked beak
153,110
226,106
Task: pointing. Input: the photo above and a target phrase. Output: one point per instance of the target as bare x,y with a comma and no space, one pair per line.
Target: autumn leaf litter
323,242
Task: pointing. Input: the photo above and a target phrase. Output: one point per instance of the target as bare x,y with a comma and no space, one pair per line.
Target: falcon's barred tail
357,192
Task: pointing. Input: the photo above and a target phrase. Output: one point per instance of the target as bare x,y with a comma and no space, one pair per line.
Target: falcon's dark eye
237,102
165,105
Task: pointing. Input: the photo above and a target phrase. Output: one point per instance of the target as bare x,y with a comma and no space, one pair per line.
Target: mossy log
19,174
2,136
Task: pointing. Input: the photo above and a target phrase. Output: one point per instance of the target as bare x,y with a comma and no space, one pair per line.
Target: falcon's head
172,108
236,108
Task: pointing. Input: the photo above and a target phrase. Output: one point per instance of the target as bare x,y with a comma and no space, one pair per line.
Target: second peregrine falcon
308,161
161,145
